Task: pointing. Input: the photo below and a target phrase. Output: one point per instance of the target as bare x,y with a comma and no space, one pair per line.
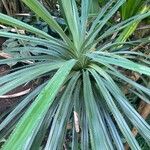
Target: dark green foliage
84,81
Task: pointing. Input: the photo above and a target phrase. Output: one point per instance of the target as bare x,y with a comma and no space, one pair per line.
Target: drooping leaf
94,120
39,9
120,61
116,113
62,116
28,125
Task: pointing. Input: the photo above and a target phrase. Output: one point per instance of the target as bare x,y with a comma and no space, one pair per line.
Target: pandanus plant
84,86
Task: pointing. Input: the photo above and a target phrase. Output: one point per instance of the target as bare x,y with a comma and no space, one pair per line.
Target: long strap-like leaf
131,113
122,62
103,21
116,113
16,23
58,128
98,141
71,14
35,114
38,8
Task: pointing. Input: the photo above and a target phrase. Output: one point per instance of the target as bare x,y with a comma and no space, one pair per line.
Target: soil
2,40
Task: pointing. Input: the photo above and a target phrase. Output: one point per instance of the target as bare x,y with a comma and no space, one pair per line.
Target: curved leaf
38,8
32,119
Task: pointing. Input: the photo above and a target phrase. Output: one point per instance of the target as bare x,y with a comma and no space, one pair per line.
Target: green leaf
95,122
109,58
122,25
25,75
84,129
5,19
141,96
71,13
103,21
130,8
116,113
129,30
58,128
76,111
94,7
29,58
38,8
110,46
32,119
36,142
100,15
130,112
20,107
52,51
126,79
84,17
32,39
113,131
